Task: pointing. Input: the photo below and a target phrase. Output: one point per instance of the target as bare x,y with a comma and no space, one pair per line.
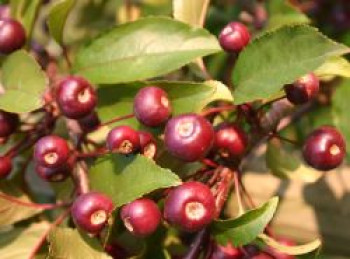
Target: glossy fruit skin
12,35
8,123
188,137
123,139
5,11
5,166
325,148
51,151
90,207
303,90
226,252
148,144
190,206
116,251
230,141
57,174
152,106
234,37
141,217
76,97
90,122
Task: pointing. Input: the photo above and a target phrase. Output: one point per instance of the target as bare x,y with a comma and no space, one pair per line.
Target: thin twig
129,116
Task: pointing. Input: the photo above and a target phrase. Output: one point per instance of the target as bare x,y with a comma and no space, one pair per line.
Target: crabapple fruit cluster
189,137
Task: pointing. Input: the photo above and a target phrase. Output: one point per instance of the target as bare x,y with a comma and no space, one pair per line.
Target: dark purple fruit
5,166
234,37
8,123
188,137
324,149
51,151
116,251
148,144
303,90
123,139
226,252
12,35
152,106
141,217
230,141
90,122
76,97
190,206
91,211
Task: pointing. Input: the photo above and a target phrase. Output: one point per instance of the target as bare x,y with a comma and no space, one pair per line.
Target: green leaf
143,49
19,242
190,11
25,11
340,111
291,250
281,13
244,229
69,243
57,18
287,162
334,66
12,212
185,97
278,58
24,83
125,179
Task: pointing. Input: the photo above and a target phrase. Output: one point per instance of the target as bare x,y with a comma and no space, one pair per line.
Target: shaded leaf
278,58
19,242
58,17
69,243
190,11
12,212
287,163
281,13
244,229
125,179
24,89
291,250
340,111
143,49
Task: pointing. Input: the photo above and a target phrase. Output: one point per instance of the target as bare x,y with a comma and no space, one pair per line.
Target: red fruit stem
43,237
120,118
46,206
210,163
219,109
66,57
223,189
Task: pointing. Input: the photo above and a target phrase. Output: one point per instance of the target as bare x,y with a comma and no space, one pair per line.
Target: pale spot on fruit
185,129
51,158
128,224
98,217
125,147
150,151
84,96
57,177
164,101
195,210
334,150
